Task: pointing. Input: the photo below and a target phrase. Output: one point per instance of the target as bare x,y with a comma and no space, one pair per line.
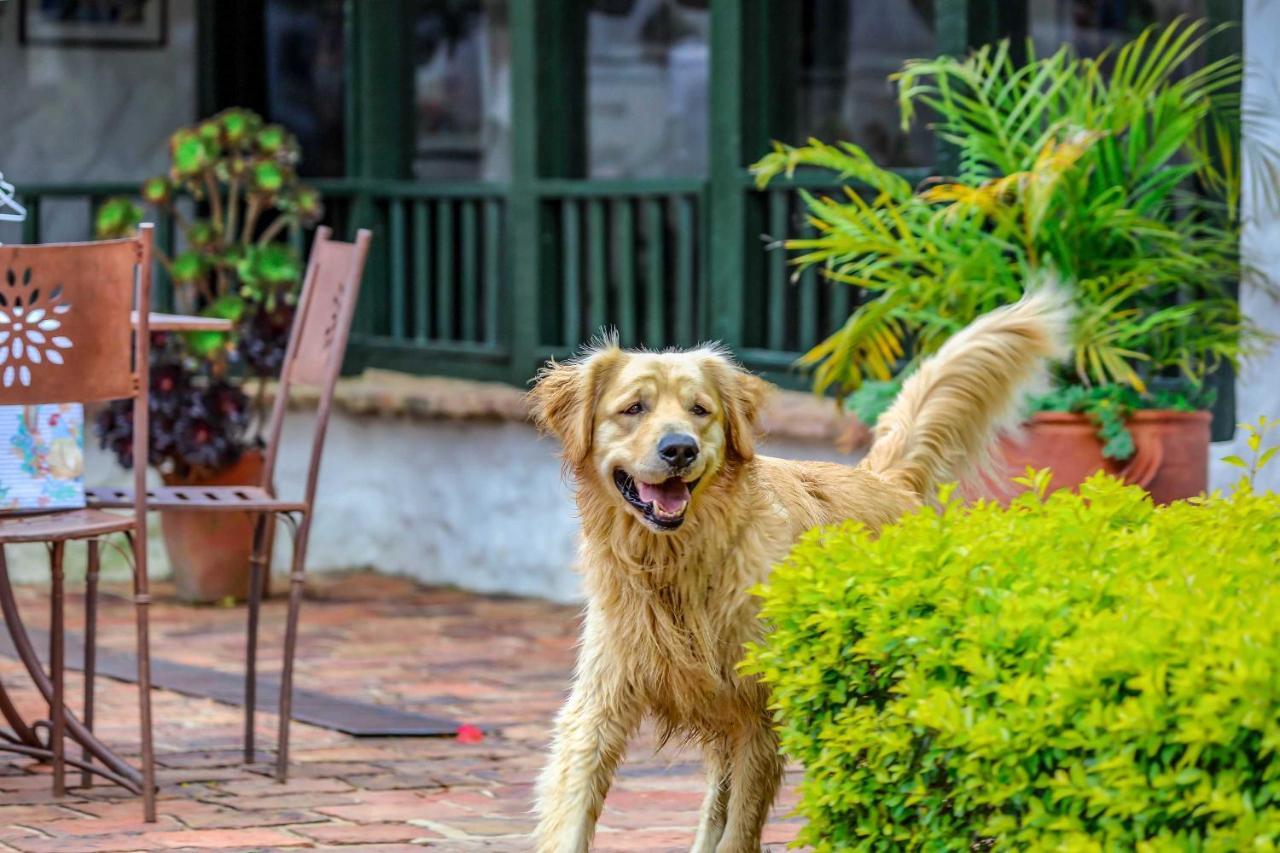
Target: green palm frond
846,160
868,346
1088,166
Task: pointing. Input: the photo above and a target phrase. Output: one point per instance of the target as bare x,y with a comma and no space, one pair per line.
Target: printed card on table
42,457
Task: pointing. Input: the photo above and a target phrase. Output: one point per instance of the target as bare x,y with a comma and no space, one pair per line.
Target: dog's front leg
716,804
591,736
754,778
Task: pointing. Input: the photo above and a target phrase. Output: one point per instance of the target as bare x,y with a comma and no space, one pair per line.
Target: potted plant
1112,174
233,192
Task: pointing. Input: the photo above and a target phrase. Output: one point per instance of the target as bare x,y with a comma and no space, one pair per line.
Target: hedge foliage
1078,672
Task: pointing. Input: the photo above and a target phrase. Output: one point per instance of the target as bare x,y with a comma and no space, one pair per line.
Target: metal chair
70,307
317,343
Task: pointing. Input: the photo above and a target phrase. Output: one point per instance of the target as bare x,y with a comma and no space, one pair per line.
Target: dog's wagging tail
944,424
681,517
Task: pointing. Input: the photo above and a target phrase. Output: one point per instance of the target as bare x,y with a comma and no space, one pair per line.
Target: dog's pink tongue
670,495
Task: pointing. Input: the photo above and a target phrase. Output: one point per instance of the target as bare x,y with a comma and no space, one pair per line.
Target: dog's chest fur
677,609
682,643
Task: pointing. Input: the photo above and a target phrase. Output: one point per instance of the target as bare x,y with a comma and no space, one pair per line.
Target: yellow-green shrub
1075,672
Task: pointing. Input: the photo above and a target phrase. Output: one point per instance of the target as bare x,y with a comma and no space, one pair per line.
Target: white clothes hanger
10,209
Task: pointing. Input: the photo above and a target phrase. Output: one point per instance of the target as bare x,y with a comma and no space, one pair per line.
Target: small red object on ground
469,734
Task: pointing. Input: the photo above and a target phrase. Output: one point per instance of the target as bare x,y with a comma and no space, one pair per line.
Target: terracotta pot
209,551
1170,460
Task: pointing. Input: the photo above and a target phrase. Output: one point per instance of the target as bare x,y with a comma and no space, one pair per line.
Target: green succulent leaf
189,152
237,125
202,234
156,191
229,306
210,133
189,266
271,138
268,177
205,344
306,205
268,266
117,217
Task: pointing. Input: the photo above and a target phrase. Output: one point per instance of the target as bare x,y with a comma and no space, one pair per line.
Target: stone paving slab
501,664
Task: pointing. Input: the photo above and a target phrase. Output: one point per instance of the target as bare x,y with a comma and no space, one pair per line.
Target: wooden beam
548,108
381,114
379,140
725,216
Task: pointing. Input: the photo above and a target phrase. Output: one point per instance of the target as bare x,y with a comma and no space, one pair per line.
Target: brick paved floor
502,664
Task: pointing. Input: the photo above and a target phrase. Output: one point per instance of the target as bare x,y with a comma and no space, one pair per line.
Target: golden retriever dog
681,517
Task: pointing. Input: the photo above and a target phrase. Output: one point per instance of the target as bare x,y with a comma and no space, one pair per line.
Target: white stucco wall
1258,382
474,503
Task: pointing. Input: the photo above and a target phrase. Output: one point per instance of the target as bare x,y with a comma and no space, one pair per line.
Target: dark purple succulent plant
199,424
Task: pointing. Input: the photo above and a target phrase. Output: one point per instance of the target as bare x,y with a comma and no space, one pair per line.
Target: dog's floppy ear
743,397
563,399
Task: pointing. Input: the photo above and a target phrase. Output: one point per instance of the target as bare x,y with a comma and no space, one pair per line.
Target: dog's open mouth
662,504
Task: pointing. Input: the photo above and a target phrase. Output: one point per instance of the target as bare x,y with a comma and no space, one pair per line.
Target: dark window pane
847,50
305,79
461,81
1094,25
647,67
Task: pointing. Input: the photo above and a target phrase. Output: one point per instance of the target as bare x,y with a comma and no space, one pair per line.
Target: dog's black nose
678,450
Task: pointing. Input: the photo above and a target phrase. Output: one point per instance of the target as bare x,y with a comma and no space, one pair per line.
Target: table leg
57,667
90,649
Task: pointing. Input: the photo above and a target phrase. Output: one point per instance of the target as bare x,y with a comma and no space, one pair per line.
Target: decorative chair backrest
65,327
74,328
318,339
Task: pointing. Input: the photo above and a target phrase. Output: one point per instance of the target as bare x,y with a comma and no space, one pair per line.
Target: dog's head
653,429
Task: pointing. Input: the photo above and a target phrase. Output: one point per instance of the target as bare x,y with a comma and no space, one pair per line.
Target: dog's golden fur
668,610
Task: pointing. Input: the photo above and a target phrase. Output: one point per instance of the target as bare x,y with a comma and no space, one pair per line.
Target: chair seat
61,525
196,498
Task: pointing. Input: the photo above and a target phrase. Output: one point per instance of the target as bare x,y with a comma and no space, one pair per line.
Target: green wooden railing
623,255
631,255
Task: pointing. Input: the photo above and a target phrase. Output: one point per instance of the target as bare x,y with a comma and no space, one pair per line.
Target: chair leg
296,579
57,707
258,563
266,566
141,606
90,649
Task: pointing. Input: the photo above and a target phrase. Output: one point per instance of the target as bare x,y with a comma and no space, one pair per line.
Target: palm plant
1113,174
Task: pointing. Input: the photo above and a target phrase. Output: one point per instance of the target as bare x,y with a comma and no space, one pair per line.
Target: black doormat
358,719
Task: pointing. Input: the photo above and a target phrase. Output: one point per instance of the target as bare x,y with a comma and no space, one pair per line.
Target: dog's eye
634,409
699,410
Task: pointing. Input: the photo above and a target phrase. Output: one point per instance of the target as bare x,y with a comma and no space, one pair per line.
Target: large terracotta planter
209,551
1171,458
